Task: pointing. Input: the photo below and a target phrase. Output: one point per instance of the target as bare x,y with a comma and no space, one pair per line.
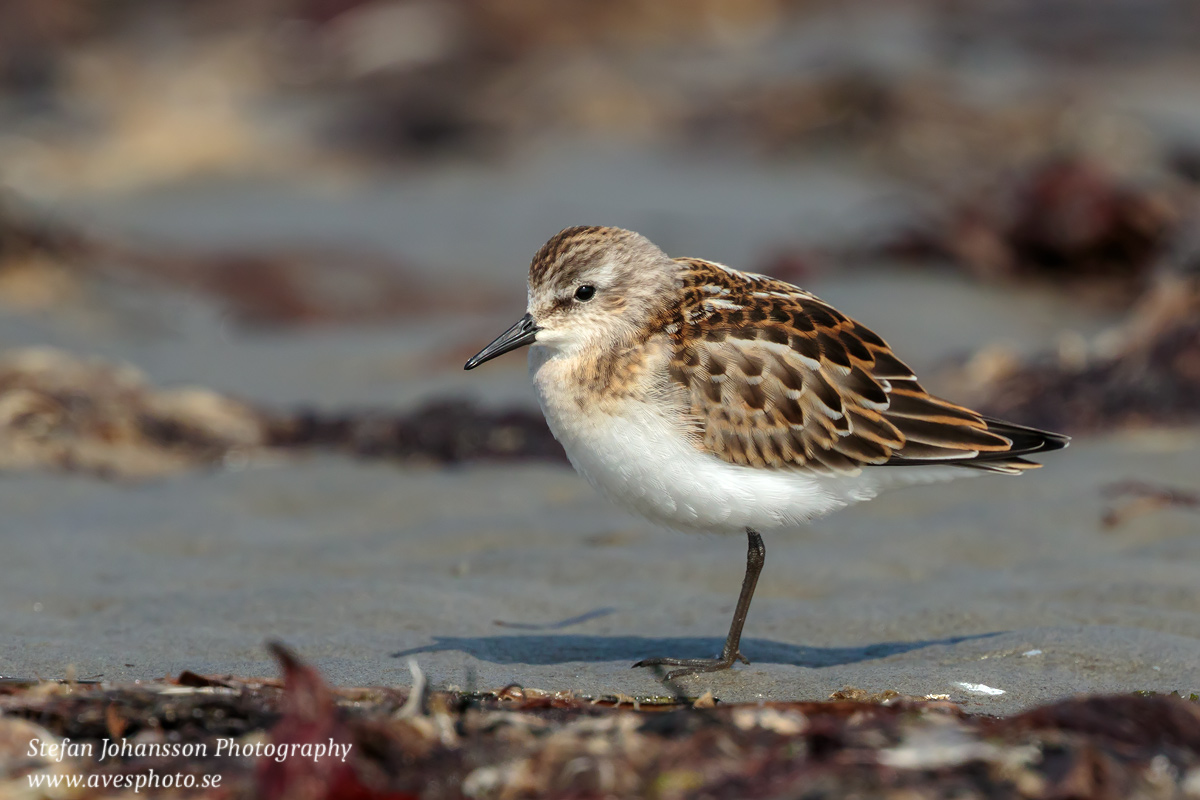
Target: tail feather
1025,441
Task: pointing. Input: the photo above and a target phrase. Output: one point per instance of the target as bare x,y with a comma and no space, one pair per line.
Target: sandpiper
711,399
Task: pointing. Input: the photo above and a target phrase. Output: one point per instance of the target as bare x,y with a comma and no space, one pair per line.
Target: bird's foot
692,666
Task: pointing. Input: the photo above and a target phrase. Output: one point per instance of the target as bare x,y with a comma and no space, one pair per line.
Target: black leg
756,554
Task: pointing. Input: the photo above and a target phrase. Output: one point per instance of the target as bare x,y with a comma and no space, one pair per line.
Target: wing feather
777,378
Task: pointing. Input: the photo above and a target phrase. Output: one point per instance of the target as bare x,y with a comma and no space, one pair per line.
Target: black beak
519,335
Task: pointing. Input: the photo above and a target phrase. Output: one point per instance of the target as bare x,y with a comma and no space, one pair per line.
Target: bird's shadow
545,649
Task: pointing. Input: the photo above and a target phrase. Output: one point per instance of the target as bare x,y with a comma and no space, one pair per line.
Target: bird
709,399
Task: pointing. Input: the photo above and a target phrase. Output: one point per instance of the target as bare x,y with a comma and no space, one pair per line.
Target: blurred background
332,202
237,231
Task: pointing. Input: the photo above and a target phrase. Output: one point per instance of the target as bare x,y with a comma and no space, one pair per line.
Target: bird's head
590,287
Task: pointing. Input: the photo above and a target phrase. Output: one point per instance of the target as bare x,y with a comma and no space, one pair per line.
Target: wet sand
495,575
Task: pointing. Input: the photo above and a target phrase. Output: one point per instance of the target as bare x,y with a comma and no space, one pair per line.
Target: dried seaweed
62,412
66,413
518,743
440,431
1146,373
1063,220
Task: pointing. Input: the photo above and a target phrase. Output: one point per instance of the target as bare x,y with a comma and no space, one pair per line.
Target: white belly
643,460
639,461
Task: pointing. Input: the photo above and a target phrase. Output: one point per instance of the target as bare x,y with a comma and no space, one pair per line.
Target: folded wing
776,378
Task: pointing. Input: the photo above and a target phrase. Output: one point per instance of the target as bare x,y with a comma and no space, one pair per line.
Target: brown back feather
776,378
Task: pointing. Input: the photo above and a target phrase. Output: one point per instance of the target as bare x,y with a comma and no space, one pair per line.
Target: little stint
710,399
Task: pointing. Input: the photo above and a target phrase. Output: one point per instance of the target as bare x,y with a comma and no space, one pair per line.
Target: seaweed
517,742
1145,373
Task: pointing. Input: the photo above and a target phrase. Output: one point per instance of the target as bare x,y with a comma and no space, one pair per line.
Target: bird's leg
756,554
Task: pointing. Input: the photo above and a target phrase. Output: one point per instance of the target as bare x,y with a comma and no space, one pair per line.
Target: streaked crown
625,280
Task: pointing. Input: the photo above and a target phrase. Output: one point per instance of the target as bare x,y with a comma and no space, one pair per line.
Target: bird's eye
585,293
